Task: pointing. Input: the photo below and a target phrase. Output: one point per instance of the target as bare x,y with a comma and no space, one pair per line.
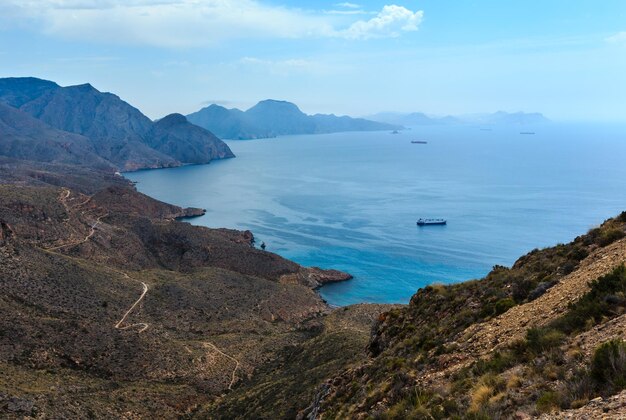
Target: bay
350,200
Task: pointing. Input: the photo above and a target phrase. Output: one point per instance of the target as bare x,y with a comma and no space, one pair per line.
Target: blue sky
566,59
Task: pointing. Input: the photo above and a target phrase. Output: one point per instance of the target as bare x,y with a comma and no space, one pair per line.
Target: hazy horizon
565,60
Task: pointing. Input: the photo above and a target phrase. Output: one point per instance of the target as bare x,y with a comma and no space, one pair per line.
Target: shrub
480,397
608,366
504,305
549,401
497,363
540,289
596,304
609,236
543,339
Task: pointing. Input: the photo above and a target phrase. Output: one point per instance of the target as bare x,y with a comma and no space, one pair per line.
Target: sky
564,58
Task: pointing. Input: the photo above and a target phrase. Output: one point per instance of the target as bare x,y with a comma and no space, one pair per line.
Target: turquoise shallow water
350,200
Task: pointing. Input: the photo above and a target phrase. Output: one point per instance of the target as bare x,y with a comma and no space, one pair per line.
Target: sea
350,201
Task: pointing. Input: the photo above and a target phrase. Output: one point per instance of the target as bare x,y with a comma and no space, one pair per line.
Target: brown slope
66,286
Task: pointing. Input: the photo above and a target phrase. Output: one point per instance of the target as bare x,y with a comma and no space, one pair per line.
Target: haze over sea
350,200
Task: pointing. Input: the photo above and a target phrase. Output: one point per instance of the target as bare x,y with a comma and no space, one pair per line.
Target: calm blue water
350,200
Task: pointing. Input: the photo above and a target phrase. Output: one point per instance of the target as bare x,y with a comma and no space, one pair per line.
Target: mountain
27,138
174,136
275,118
118,132
497,118
226,123
272,118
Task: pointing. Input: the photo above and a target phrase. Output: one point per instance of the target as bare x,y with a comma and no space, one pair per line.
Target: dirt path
143,326
92,231
237,364
63,200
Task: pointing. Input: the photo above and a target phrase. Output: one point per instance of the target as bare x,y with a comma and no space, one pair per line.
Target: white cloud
193,23
618,38
348,5
390,22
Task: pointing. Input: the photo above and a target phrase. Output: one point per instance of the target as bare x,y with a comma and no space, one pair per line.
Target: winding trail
237,364
92,231
63,200
143,325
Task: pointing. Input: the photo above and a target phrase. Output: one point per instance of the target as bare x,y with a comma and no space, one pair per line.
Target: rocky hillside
109,307
271,118
110,128
542,336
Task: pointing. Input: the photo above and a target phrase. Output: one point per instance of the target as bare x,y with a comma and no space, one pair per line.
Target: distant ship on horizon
419,142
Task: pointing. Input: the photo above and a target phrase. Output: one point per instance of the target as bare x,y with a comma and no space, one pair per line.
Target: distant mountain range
271,118
497,118
45,122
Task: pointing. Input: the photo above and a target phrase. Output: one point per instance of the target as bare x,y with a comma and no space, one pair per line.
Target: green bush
608,366
504,305
549,401
543,339
598,303
609,236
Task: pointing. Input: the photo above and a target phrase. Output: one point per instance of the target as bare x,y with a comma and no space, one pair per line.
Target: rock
191,212
314,277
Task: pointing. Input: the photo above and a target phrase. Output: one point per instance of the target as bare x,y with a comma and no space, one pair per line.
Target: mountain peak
276,106
16,91
85,87
172,119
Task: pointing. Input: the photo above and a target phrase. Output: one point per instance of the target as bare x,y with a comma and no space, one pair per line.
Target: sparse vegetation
608,366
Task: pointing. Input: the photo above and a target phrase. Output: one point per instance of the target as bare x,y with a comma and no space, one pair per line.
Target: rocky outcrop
190,212
314,277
